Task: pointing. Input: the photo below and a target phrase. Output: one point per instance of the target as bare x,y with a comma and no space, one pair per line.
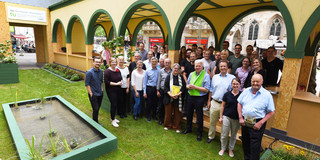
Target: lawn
136,139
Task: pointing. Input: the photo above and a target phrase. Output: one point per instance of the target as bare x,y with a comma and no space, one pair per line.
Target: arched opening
100,35
236,39
76,35
58,37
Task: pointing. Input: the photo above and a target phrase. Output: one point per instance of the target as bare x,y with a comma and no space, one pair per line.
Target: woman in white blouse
122,110
137,81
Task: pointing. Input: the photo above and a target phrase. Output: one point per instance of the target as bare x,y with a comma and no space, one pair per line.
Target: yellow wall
78,38
4,25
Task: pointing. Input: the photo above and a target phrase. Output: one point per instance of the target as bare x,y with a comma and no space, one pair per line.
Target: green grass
136,139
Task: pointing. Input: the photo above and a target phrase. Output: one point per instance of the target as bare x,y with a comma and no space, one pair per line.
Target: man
255,55
150,89
249,51
206,61
225,46
211,50
236,59
220,84
94,85
189,66
198,85
161,63
148,61
212,64
163,73
255,107
264,53
186,60
199,53
143,52
194,48
272,65
155,52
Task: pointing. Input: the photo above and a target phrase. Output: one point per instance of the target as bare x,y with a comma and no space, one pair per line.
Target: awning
20,36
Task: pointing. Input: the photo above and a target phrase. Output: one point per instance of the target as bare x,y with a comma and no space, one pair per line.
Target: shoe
186,132
206,109
209,140
160,123
177,131
121,116
149,119
135,118
114,123
199,137
231,153
165,128
116,120
221,152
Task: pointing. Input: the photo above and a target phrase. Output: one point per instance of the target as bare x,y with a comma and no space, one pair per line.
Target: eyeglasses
237,48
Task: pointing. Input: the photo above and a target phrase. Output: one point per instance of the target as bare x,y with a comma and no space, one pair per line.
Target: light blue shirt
150,79
257,105
205,84
220,85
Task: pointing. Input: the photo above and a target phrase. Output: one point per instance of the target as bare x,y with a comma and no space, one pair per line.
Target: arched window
253,30
275,28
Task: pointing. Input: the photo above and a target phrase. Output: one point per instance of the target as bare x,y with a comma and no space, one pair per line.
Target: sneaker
206,109
165,128
116,120
231,153
177,131
114,123
221,152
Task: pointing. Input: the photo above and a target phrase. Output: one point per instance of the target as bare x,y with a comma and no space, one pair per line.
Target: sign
156,40
195,41
26,14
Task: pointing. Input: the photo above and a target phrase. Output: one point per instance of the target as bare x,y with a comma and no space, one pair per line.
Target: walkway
27,61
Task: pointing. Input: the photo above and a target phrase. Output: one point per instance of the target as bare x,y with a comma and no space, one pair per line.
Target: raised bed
34,118
9,73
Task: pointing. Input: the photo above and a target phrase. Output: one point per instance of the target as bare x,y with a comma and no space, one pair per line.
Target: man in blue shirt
198,85
94,85
255,107
150,89
220,84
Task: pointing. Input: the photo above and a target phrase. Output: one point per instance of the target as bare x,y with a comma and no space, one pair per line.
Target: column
4,25
174,56
287,90
305,72
89,48
69,51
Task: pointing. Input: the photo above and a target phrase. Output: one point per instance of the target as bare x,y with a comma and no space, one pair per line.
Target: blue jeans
138,101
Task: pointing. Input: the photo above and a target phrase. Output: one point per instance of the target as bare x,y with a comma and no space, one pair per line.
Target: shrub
64,72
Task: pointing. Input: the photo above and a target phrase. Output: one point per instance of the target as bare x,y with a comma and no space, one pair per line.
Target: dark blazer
166,97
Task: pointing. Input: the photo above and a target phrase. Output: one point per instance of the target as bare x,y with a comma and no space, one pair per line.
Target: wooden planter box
9,73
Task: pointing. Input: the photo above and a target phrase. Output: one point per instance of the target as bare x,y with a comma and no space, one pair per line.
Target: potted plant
8,65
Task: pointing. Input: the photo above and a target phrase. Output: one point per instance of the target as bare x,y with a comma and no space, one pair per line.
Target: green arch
314,45
181,23
91,25
137,29
305,33
55,29
239,17
99,25
70,25
111,32
136,5
211,25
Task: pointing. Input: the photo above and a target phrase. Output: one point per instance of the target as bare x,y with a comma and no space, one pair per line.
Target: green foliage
64,72
129,54
115,46
288,154
34,153
75,77
65,144
100,32
5,56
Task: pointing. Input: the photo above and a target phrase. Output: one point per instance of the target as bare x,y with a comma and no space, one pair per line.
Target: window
275,28
253,30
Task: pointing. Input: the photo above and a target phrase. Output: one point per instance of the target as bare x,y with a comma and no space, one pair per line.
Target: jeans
138,101
95,103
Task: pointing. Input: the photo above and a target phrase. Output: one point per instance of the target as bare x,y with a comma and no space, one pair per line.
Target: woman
174,85
136,82
256,68
242,72
106,55
224,54
229,117
183,53
113,83
162,54
124,87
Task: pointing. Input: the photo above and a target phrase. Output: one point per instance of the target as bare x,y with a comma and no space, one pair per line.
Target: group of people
227,84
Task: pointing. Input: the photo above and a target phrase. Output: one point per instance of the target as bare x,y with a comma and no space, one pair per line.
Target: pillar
4,26
48,37
69,51
287,90
40,41
305,72
89,48
174,56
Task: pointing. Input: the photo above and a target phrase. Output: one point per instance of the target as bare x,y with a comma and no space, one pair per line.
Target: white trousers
227,124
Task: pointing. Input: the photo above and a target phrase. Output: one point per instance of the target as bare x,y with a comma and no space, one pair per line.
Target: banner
26,14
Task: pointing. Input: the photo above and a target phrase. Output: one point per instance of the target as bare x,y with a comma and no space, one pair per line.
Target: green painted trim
181,23
139,26
213,4
91,25
136,5
62,4
91,151
315,43
212,27
69,28
55,29
111,33
289,27
9,73
307,50
307,29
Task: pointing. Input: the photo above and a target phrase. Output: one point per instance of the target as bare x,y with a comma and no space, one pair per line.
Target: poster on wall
17,13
